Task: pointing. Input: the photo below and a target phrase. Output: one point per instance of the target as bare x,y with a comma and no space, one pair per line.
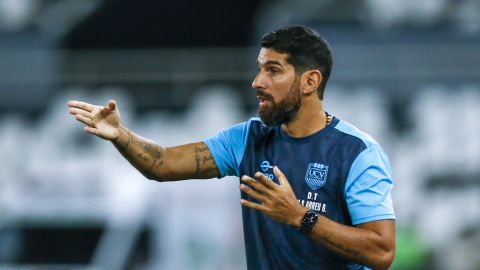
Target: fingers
80,105
92,130
262,178
258,186
76,111
86,120
252,193
252,205
282,179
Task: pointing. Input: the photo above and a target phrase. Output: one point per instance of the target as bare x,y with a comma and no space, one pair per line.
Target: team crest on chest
316,175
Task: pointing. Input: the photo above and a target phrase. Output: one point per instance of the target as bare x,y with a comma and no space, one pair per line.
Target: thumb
112,105
282,179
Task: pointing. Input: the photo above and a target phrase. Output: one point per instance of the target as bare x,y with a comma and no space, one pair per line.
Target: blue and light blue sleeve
227,148
368,187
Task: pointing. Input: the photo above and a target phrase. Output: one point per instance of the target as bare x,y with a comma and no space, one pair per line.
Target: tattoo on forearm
204,160
150,152
142,157
129,140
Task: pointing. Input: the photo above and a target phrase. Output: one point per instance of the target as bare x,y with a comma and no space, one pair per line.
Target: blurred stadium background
407,72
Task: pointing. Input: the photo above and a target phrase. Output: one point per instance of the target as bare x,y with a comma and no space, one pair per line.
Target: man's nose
258,82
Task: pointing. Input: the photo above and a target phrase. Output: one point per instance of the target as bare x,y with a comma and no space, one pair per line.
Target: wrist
297,220
123,137
308,221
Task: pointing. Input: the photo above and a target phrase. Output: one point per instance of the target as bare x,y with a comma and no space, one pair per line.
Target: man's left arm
371,243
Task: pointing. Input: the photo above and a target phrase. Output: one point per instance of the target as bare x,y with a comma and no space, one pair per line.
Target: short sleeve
227,148
368,187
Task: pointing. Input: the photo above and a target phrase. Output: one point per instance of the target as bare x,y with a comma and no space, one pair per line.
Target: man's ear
311,80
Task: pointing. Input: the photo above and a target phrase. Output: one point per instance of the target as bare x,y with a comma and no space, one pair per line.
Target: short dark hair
306,50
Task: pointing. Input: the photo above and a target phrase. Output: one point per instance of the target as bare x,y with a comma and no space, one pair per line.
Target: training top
339,172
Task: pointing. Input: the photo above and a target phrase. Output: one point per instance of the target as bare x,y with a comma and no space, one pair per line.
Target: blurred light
468,16
15,15
59,18
385,13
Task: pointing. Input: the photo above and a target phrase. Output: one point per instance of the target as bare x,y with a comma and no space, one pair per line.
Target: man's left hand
275,200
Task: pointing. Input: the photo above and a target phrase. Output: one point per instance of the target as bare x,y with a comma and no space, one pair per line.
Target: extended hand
101,121
277,201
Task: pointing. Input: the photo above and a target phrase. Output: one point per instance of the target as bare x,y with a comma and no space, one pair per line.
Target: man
315,190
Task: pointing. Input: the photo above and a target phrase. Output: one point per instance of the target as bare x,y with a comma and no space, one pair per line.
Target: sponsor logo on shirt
316,175
265,166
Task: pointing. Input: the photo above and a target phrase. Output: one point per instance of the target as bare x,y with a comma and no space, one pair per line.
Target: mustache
263,95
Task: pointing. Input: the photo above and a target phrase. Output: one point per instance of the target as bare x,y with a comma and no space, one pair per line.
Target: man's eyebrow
271,62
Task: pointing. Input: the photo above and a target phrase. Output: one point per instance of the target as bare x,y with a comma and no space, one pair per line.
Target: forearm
159,163
146,156
357,244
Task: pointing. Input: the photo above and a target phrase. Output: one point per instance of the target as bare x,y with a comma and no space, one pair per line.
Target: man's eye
273,70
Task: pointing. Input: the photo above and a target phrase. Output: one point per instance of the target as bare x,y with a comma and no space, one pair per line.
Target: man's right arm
154,161
159,163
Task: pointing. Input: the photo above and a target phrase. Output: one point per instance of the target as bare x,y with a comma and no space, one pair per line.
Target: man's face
277,88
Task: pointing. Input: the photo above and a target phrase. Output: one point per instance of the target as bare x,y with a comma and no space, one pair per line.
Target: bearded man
315,190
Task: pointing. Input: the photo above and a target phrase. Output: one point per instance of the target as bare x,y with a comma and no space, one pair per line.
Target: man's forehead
268,55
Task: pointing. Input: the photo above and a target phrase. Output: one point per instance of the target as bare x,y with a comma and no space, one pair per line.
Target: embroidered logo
316,175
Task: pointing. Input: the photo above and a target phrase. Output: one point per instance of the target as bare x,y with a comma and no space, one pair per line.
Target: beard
284,111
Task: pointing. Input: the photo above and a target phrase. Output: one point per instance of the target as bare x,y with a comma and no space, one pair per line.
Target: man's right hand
101,121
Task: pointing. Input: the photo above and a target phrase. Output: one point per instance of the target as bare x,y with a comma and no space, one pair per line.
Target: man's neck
310,119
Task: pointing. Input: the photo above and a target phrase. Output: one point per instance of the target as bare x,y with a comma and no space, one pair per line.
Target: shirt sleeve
368,187
227,148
